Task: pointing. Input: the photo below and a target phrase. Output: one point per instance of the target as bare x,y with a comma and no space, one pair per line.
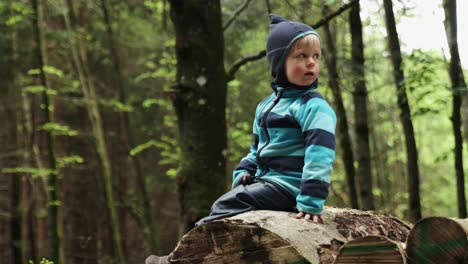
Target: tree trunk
405,114
152,235
438,240
53,185
458,87
371,249
10,236
79,56
199,98
364,170
278,237
343,133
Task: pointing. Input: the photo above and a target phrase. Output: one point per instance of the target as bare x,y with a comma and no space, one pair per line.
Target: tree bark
10,233
371,249
405,114
364,169
54,219
199,99
343,132
152,234
438,240
278,237
458,87
79,57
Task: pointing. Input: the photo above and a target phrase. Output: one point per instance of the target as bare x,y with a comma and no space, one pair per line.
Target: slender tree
79,57
458,87
53,183
199,98
129,133
405,114
343,133
10,233
364,169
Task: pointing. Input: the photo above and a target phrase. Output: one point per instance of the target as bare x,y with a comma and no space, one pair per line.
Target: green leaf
69,160
144,146
172,173
59,130
34,72
34,89
118,106
35,172
155,101
52,70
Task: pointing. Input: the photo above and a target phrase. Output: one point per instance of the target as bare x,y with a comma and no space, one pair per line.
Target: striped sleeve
318,122
248,164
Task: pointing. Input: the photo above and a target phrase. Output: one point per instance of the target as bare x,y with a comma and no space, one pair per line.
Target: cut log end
371,249
438,240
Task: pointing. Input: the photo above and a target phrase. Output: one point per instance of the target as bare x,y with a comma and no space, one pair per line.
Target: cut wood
371,249
438,240
278,237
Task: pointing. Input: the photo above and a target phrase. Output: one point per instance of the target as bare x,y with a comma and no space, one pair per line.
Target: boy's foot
156,260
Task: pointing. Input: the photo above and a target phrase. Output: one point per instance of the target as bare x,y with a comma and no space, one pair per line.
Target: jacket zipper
265,127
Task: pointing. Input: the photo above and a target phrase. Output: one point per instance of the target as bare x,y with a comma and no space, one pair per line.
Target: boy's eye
302,55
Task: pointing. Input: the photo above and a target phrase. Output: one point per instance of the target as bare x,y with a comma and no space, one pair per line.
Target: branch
334,14
268,6
236,13
244,60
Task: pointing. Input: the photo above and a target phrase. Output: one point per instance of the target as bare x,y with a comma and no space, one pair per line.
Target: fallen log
278,237
438,240
371,249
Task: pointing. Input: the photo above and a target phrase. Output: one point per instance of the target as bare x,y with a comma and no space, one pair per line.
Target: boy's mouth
309,74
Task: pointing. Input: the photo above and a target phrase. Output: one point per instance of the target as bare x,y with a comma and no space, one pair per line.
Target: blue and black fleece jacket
294,146
294,132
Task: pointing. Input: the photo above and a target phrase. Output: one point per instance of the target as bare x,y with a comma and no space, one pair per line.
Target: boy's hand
315,218
245,179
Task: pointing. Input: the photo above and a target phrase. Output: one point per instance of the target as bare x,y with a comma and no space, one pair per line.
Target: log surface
278,237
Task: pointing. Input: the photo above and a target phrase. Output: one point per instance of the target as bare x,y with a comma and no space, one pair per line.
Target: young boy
290,160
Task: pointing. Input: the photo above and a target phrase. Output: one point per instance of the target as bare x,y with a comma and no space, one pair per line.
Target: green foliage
18,13
69,160
117,105
43,261
34,172
59,130
169,150
136,150
164,69
53,71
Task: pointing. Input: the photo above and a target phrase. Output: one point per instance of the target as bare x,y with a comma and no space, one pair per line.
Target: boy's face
302,64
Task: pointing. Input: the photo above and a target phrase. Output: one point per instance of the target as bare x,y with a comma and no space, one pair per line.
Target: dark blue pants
259,195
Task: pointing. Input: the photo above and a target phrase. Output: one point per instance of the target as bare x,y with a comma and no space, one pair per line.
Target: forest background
113,149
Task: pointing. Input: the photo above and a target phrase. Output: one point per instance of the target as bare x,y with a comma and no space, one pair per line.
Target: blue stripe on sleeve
247,165
315,188
255,141
319,137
